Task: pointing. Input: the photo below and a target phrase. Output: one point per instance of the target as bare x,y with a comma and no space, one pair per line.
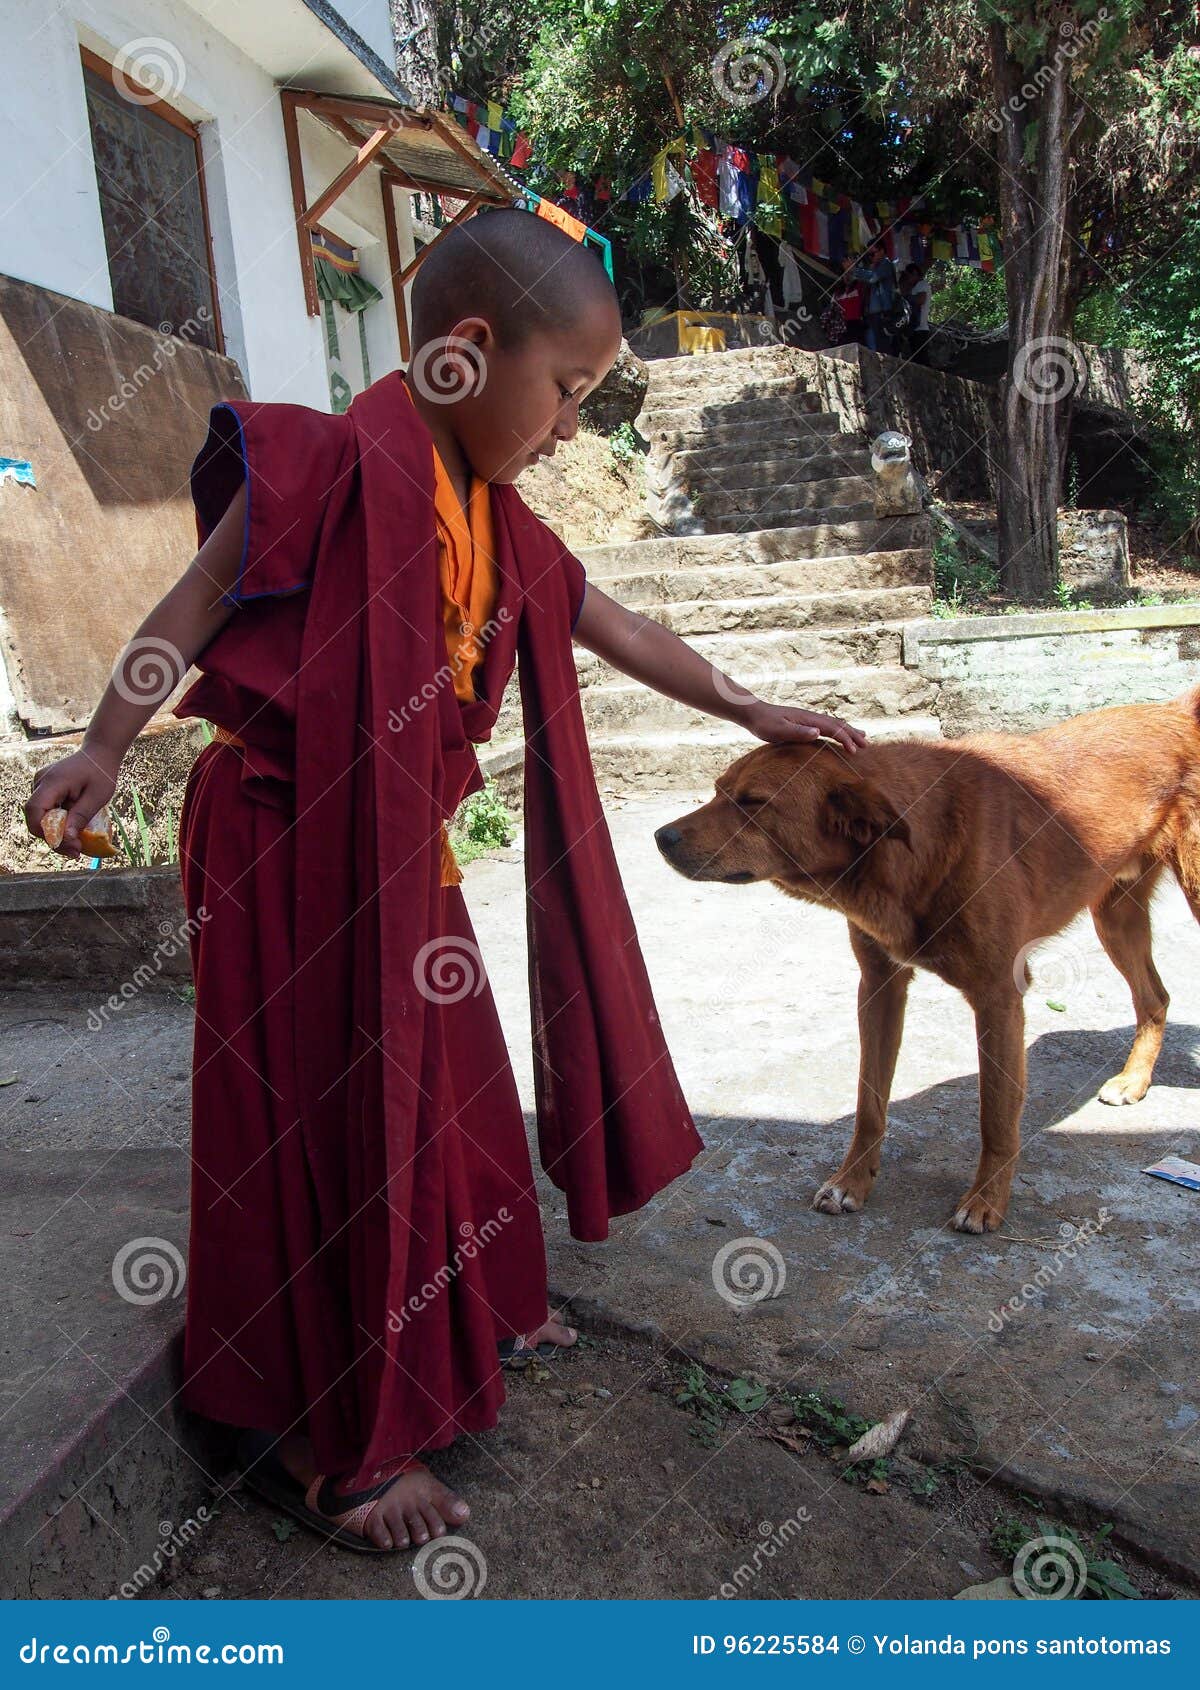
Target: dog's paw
833,1200
975,1214
1121,1089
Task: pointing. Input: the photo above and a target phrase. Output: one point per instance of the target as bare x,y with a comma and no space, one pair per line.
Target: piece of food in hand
95,840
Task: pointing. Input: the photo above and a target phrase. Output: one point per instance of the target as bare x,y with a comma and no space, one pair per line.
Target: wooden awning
415,149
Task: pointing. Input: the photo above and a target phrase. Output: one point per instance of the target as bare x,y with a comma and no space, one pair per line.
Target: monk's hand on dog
781,724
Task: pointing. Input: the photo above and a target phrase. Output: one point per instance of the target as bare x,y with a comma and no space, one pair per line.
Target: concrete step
743,464
95,1450
736,388
791,433
770,612
678,758
846,672
712,497
831,540
743,363
691,760
714,581
710,416
790,515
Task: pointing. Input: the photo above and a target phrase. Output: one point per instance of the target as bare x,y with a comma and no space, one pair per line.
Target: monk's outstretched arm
650,653
168,641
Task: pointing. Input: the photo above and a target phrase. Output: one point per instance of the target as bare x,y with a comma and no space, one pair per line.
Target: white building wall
50,226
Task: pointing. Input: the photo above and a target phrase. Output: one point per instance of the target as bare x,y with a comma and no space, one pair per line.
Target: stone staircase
771,562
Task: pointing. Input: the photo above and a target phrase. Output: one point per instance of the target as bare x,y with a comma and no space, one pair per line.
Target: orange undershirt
467,565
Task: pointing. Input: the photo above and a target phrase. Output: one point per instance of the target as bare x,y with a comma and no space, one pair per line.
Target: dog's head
801,815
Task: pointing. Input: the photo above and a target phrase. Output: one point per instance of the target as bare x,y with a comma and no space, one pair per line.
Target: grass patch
1058,1564
483,823
798,1421
961,584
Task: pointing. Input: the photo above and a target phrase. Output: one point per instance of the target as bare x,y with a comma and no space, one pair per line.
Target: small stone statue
897,490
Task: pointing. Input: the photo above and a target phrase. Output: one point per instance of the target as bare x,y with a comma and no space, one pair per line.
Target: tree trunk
1044,367
418,48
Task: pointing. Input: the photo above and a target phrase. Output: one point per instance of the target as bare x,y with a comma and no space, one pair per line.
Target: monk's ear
859,811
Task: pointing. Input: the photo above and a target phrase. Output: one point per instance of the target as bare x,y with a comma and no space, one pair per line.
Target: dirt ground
1158,566
588,495
595,1485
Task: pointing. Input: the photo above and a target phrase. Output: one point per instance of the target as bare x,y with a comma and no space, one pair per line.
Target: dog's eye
746,802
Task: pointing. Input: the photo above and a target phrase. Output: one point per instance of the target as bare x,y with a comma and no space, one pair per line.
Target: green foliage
1106,1580
483,824
967,296
1163,309
135,837
624,443
959,581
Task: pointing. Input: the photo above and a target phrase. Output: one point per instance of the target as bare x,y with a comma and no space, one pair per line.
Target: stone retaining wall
1021,673
120,930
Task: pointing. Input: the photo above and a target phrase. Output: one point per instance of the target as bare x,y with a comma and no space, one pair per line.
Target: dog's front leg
882,995
1000,1033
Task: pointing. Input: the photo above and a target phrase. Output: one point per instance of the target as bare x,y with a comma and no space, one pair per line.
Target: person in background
914,285
847,302
879,273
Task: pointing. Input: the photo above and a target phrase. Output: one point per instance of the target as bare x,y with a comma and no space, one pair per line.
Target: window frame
146,97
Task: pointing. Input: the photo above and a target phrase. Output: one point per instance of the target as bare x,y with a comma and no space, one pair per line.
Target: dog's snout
667,837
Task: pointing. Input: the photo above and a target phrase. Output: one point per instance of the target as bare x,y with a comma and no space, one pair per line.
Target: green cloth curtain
352,293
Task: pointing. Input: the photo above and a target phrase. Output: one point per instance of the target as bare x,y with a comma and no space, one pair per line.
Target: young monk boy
366,1244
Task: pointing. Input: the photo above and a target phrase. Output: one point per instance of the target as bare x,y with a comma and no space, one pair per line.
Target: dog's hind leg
1123,922
1000,1036
882,995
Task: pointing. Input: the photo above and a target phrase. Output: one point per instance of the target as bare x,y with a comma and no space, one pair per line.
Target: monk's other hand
782,724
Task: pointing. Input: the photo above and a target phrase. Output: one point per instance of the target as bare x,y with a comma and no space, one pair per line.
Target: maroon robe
364,1224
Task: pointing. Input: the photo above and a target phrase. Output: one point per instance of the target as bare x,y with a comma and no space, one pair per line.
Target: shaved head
522,274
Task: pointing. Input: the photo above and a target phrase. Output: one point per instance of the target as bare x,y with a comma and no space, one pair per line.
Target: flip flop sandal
339,1518
517,1353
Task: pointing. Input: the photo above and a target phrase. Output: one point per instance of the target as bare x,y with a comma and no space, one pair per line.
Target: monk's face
529,398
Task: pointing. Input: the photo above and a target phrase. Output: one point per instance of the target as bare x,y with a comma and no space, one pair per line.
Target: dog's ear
858,810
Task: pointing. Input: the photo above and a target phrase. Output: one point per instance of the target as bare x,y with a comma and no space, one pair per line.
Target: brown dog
957,856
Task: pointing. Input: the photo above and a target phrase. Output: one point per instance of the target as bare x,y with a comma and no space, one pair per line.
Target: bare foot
416,1508
553,1332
